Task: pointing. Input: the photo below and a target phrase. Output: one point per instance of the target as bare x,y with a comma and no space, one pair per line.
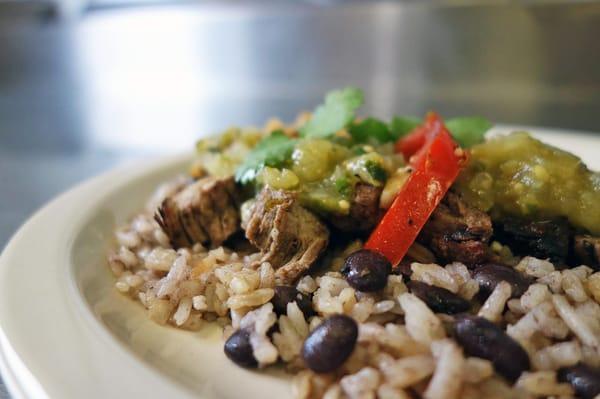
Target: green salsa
325,172
325,155
519,176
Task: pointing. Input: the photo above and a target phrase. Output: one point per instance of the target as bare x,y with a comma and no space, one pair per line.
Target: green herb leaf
274,150
400,126
335,114
359,150
370,128
468,130
376,171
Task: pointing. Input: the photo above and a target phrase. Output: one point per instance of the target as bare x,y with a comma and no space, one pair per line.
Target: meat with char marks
587,250
290,237
544,239
206,211
458,232
364,210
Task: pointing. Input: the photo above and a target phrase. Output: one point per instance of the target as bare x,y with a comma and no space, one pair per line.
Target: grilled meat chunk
289,237
587,250
205,211
458,232
364,210
547,239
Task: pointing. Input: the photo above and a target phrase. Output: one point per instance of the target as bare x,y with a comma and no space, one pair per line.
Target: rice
535,294
388,392
494,306
293,329
559,355
593,285
361,384
255,298
183,311
448,376
575,322
127,257
573,287
433,274
409,370
403,348
333,392
421,323
535,267
467,287
543,383
477,370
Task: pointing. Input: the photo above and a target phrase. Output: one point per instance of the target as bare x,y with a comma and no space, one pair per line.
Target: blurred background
87,84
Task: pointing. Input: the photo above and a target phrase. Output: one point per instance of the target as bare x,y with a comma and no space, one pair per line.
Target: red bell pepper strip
413,142
435,167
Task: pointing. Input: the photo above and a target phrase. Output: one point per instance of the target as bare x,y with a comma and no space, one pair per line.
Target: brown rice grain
535,294
448,375
409,370
386,391
183,311
160,310
574,321
494,305
535,267
333,392
562,354
543,383
433,274
252,299
362,384
421,322
477,369
593,285
573,287
553,281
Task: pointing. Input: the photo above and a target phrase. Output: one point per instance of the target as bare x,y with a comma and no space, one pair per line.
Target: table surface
79,96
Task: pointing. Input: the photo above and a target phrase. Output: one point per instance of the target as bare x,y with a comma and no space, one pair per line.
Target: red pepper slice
435,167
411,143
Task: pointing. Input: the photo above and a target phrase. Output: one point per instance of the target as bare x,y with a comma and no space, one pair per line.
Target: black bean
491,274
367,270
329,345
440,300
285,294
239,350
482,338
584,379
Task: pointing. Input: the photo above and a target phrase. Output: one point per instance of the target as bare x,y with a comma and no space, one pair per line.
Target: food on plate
519,176
403,259
205,212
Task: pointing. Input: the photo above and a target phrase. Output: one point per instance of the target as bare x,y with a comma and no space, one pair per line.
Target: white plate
65,332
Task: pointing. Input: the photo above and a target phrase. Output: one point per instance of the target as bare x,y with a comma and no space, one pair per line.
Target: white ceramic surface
65,332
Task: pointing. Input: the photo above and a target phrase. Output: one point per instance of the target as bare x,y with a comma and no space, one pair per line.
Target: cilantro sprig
400,126
274,150
370,129
335,114
466,130
339,112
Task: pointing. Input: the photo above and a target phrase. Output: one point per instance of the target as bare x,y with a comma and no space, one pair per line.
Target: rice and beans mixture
541,325
291,290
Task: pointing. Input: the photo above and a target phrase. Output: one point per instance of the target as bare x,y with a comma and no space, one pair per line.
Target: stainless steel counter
77,97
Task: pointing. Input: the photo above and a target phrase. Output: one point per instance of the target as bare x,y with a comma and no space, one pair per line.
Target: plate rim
21,381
